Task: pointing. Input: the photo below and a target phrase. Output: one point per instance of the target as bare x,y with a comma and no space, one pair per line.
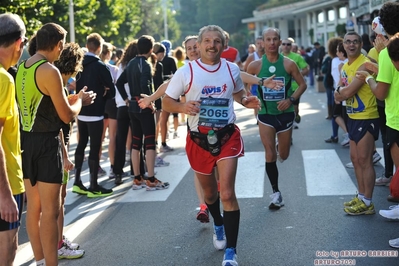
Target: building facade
308,21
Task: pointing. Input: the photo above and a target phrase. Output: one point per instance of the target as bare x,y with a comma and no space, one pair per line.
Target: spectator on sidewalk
363,124
97,77
340,117
44,109
139,77
12,41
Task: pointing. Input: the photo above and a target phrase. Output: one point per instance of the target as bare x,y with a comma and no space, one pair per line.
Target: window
342,12
331,15
320,17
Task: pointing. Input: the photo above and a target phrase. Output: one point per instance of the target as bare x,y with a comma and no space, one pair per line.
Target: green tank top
269,97
37,111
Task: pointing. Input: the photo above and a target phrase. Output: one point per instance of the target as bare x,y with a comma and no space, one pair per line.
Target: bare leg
8,246
112,125
62,214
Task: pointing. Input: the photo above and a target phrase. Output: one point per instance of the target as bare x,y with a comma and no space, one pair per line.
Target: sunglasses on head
285,44
24,40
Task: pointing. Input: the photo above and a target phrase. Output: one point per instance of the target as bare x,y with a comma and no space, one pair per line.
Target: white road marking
250,175
173,174
325,174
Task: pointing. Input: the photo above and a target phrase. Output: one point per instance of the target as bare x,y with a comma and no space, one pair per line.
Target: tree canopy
119,21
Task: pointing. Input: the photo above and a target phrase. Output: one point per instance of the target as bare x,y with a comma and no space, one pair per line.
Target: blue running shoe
230,257
219,238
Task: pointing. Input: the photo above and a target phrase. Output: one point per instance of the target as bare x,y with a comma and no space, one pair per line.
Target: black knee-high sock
272,173
214,209
78,168
77,181
231,221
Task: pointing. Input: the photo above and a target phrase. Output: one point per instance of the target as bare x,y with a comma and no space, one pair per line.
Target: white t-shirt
335,69
214,85
118,98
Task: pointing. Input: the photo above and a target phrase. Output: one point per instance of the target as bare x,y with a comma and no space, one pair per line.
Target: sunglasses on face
286,44
348,42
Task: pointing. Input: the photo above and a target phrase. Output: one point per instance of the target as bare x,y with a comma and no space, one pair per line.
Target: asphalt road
159,228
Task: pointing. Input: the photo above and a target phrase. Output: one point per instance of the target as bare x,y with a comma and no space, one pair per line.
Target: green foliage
32,12
341,29
120,21
228,14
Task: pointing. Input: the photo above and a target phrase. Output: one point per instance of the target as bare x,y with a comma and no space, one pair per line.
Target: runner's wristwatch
260,83
292,99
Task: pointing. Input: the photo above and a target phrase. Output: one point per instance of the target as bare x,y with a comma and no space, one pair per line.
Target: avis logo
213,90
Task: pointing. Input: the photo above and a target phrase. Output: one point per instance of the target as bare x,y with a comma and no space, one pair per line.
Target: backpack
326,70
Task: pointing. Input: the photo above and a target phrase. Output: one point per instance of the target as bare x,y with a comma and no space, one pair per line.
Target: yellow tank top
363,104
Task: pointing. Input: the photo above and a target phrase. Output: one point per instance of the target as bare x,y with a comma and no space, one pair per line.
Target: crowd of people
133,94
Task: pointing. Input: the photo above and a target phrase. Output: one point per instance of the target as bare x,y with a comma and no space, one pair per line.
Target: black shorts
357,129
337,109
42,157
5,226
110,109
392,136
281,122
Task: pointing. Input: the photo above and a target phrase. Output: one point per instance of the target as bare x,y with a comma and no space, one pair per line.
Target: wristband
245,97
367,79
337,90
260,83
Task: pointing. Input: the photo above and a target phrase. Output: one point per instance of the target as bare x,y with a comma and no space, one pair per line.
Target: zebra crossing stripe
325,174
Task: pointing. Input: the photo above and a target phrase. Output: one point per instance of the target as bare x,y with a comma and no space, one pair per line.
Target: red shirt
231,54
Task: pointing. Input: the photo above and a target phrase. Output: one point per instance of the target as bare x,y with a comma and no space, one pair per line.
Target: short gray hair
212,28
12,27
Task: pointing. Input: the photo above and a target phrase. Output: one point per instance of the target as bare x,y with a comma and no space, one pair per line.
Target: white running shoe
376,157
394,243
277,201
159,162
70,244
346,140
166,148
383,181
392,213
66,253
219,237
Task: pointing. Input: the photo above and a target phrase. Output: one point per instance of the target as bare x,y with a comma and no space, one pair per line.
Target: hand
362,75
273,84
380,43
72,98
338,97
251,102
68,165
283,104
87,97
192,107
145,101
8,209
372,67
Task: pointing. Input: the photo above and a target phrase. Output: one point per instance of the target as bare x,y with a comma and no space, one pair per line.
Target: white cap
377,27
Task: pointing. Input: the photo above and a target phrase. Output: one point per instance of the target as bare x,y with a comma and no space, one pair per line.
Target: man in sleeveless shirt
277,113
211,86
12,41
363,124
286,45
44,108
